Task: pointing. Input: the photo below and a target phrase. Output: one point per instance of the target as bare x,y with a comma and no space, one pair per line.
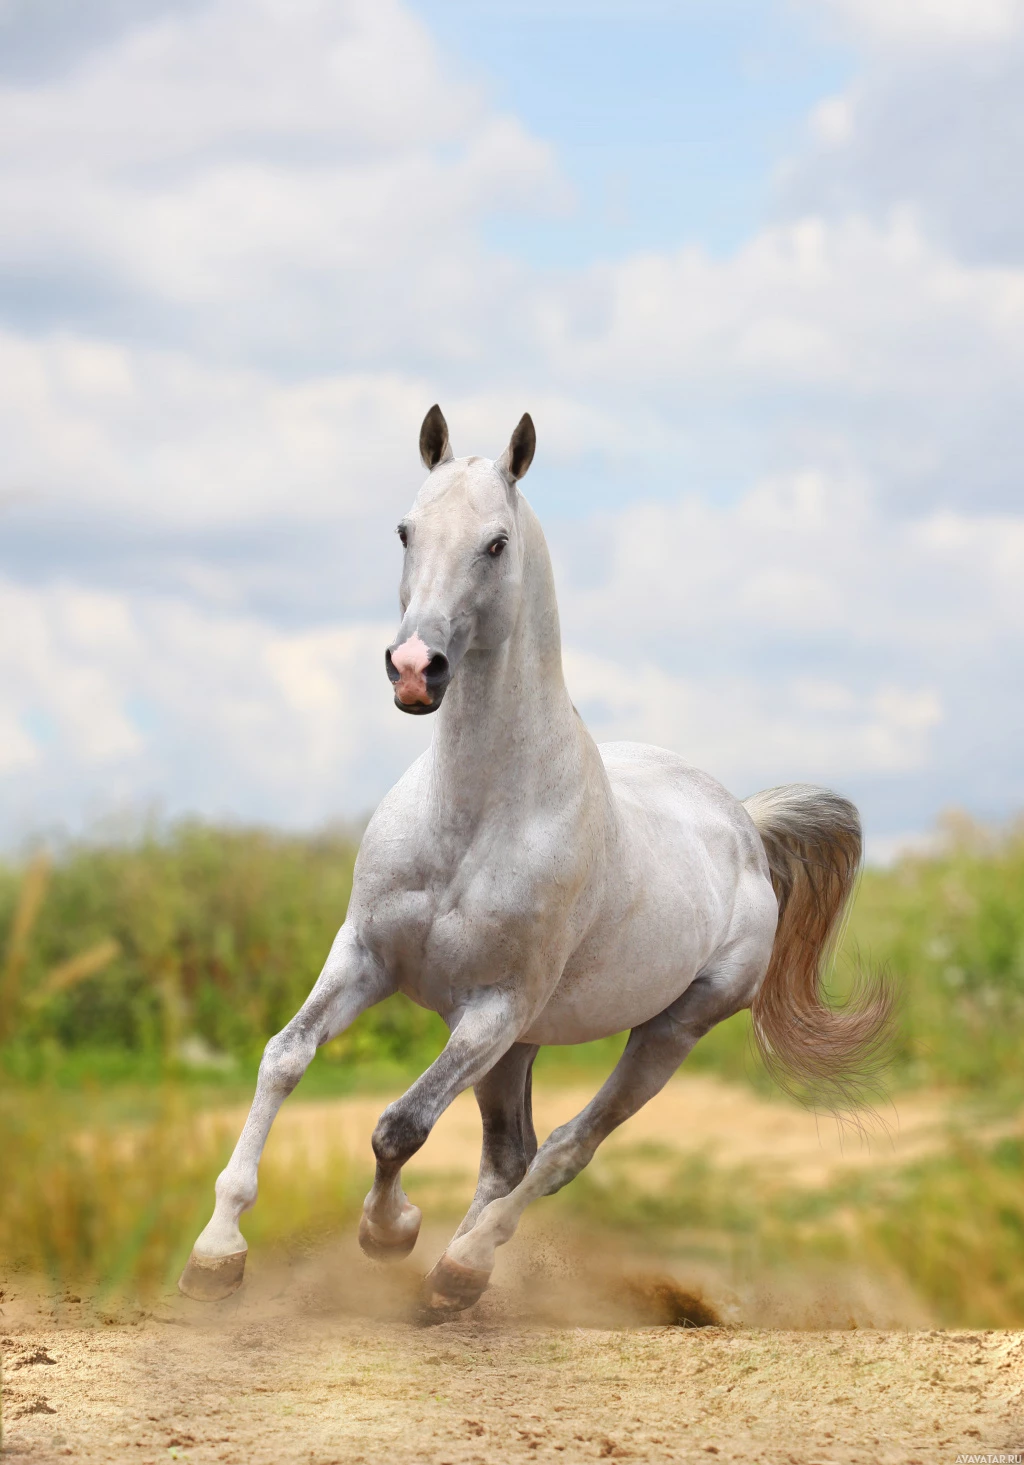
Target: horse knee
285,1059
399,1134
561,1158
234,1191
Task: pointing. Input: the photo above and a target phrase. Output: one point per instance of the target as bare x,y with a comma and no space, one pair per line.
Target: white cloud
796,634
107,701
240,250
149,434
931,125
105,698
929,22
17,750
799,558
73,692
803,632
160,435
853,345
845,305
302,180
832,120
749,731
855,349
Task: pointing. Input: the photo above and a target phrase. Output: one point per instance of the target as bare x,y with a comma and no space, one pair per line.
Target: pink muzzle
410,661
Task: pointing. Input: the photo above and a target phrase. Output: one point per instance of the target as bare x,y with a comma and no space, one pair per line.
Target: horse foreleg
350,982
484,1033
652,1055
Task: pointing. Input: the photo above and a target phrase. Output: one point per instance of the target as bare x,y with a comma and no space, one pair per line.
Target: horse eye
494,549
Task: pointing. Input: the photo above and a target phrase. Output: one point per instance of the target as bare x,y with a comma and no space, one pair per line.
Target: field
142,976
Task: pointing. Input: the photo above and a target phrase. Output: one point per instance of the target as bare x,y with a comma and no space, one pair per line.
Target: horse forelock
473,484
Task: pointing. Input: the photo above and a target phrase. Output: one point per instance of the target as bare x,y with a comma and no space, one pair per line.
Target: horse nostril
390,667
436,667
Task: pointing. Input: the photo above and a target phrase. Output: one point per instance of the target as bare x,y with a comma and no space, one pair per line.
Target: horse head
462,576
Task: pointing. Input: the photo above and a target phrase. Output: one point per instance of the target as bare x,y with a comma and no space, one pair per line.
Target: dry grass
100,1206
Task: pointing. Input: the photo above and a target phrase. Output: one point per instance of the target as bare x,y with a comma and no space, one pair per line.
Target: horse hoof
394,1245
209,1278
450,1288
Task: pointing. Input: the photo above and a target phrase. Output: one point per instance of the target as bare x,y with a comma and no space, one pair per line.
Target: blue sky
757,270
668,119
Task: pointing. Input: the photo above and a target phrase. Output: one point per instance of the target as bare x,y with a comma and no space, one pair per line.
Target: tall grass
215,933
127,950
98,1205
954,1227
950,926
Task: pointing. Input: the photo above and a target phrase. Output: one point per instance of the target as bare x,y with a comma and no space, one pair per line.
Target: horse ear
434,445
518,456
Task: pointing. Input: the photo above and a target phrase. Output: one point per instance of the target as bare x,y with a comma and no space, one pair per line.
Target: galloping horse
532,888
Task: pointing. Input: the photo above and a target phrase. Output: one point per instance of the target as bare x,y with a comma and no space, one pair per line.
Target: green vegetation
140,980
950,927
954,1227
119,957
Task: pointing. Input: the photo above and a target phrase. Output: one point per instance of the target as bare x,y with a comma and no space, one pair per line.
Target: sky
755,267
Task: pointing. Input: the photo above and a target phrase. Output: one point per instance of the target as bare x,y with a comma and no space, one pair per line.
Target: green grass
212,932
116,953
954,1227
950,928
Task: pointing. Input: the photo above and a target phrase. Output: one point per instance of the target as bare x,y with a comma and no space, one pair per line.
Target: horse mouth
419,709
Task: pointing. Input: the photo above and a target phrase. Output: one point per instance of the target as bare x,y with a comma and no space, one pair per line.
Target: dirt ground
579,1352
255,1385
698,1114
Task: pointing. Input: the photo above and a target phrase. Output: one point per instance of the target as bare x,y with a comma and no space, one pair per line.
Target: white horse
534,888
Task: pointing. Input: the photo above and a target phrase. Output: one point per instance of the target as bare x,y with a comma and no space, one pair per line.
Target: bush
220,933
950,927
212,932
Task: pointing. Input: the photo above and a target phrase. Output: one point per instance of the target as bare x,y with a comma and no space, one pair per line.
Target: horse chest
443,937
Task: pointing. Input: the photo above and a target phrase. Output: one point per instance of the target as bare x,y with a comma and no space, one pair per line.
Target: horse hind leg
509,1143
653,1053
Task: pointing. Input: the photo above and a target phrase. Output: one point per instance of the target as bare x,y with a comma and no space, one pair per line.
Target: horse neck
507,724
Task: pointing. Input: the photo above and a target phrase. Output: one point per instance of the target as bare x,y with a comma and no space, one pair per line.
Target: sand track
242,1388
315,1361
697,1114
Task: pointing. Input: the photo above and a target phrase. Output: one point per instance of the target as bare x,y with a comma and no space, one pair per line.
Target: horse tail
815,1051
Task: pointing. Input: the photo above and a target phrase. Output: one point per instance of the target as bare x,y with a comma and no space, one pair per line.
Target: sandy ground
577,1352
247,1382
700,1114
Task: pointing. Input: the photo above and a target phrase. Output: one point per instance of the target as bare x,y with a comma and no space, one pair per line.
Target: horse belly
669,904
619,979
